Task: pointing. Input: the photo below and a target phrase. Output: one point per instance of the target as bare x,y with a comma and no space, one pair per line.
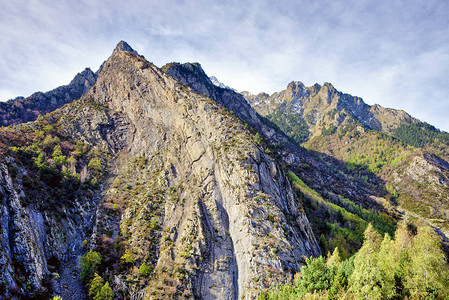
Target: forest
412,265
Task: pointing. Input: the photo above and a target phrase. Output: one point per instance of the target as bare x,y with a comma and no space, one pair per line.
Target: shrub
88,263
145,270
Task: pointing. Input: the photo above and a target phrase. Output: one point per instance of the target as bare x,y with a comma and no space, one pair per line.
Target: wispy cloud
394,53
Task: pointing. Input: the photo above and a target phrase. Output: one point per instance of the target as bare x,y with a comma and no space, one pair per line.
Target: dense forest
410,266
420,135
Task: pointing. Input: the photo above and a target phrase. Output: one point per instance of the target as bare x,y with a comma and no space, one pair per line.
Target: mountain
161,183
216,82
161,190
21,110
408,157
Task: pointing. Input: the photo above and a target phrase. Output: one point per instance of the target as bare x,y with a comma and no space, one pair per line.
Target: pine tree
95,285
57,151
400,253
340,280
366,280
315,276
335,258
88,263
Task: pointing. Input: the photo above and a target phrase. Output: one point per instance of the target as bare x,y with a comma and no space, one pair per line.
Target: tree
105,293
95,285
387,265
57,151
145,270
48,142
88,263
335,258
341,279
366,280
95,164
315,276
429,276
400,254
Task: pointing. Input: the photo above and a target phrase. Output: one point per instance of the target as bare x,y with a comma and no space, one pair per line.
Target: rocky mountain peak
123,46
329,85
192,75
87,77
21,110
220,84
295,84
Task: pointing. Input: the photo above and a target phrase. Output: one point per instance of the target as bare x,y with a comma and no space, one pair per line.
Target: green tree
40,161
48,142
128,257
105,293
366,280
57,155
387,265
400,254
335,258
57,151
145,270
95,164
429,276
95,285
323,243
48,128
88,263
341,279
315,276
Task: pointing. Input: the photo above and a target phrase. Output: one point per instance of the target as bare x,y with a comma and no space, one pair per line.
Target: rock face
23,110
40,244
234,201
187,193
317,174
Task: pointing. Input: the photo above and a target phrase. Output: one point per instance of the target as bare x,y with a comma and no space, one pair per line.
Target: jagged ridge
21,110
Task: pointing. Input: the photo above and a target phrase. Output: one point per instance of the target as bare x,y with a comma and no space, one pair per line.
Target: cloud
394,54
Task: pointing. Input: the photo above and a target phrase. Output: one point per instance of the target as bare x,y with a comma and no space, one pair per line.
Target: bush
95,164
88,263
145,270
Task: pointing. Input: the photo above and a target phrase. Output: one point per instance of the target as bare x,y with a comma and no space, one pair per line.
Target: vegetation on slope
412,266
421,134
56,174
340,223
52,164
293,125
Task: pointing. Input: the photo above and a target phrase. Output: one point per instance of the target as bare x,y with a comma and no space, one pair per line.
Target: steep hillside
179,199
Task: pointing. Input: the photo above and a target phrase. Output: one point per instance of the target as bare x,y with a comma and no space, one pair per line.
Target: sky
393,53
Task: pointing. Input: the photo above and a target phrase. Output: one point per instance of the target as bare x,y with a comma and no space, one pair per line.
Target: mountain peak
123,46
295,84
86,74
329,85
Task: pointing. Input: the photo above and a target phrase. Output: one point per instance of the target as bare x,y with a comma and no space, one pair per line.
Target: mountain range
164,183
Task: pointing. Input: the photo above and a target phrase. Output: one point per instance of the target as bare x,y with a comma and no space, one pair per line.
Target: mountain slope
183,190
314,102
408,157
21,110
